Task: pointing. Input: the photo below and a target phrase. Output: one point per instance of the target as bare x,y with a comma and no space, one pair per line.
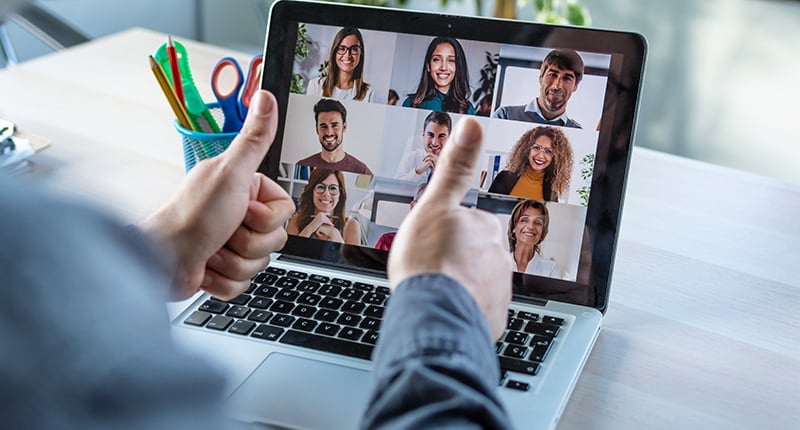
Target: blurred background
721,82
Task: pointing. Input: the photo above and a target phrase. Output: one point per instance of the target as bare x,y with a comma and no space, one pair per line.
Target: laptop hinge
528,300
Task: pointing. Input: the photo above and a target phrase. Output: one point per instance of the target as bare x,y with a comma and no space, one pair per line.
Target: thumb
456,165
251,145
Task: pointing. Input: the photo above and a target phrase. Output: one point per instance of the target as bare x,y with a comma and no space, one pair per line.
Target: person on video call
527,229
559,76
344,76
330,118
385,241
418,164
444,81
321,214
539,166
450,275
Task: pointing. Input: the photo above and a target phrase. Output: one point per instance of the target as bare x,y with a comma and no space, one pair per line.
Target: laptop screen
368,98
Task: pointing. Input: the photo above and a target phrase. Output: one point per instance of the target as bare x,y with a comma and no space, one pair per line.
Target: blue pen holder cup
198,146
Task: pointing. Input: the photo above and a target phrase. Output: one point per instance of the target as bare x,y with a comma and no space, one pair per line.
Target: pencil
169,93
177,83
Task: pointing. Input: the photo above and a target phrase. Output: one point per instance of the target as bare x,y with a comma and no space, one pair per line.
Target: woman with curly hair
444,81
320,214
539,166
344,79
527,229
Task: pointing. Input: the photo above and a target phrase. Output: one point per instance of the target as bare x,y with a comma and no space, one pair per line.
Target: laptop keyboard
343,317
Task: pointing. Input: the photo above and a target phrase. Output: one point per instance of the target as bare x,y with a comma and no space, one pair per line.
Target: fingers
249,243
270,206
457,164
227,274
251,145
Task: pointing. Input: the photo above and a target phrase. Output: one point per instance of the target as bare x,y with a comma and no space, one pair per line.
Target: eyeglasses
353,50
333,189
547,151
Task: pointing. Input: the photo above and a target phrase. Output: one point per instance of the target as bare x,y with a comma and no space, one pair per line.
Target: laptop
296,346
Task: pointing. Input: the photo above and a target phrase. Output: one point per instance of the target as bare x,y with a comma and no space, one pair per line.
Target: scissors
236,101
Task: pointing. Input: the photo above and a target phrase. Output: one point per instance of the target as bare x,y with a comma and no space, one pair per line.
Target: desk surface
702,329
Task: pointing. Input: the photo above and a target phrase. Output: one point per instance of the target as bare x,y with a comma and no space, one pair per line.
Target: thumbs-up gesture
225,219
441,236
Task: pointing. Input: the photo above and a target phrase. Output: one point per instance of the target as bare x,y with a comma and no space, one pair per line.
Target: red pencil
176,73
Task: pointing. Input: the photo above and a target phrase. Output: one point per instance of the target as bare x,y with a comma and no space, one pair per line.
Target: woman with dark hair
527,228
444,82
320,214
344,78
539,166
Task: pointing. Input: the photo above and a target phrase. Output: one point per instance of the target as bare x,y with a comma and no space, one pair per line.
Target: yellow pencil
169,93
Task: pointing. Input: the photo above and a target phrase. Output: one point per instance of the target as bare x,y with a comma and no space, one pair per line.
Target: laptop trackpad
302,393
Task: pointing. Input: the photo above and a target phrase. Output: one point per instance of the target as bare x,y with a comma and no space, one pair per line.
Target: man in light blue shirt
559,76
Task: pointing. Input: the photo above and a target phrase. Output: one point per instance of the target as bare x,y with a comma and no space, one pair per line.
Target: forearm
435,364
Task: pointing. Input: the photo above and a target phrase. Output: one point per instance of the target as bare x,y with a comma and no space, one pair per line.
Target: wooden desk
702,330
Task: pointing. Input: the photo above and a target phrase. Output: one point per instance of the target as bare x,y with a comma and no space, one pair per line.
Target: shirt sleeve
434,365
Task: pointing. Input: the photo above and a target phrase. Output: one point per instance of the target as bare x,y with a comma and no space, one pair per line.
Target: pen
169,93
177,83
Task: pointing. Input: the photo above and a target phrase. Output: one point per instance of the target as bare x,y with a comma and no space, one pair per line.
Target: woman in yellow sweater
539,166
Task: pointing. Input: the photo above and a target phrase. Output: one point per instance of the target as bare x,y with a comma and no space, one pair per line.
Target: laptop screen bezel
615,139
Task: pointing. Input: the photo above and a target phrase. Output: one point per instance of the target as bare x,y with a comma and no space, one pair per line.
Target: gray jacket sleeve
434,365
83,326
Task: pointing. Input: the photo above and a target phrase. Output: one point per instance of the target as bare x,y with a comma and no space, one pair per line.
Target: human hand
225,219
428,162
441,236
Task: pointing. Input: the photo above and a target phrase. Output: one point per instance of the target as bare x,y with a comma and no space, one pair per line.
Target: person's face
529,227
326,194
556,87
348,54
330,130
434,137
541,154
442,66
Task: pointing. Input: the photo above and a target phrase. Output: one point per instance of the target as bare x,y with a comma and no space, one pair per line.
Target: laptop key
363,286
214,306
516,337
308,286
282,320
260,316
515,351
242,327
516,365
287,283
238,312
374,311
276,271
197,318
267,332
326,315
383,290
528,315
371,337
542,329
518,385
539,353
304,311
297,274
349,319
370,323
351,294
310,299
282,307
331,303
328,329
341,282
515,324
266,291
351,333
319,278
353,307
304,324
374,298
330,290
260,303
327,344
553,320
219,322
266,278
240,299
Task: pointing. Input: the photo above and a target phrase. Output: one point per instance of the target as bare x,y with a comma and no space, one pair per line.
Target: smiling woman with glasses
344,76
321,212
539,166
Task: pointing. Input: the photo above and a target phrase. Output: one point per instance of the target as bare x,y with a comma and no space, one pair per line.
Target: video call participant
527,228
344,78
419,163
539,166
444,81
559,76
321,213
385,241
393,97
330,117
